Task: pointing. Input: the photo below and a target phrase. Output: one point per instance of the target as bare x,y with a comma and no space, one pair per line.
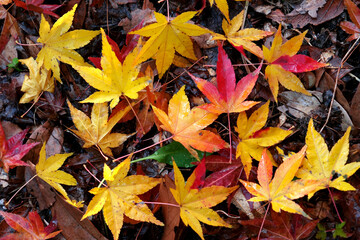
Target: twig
343,60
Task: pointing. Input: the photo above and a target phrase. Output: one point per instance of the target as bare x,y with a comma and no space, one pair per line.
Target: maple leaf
47,170
32,229
283,63
353,27
284,226
195,204
322,164
168,36
12,150
38,6
242,37
186,125
281,190
253,139
96,131
38,81
119,198
222,6
227,97
58,44
115,79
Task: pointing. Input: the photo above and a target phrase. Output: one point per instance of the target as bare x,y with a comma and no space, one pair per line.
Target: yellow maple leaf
47,170
322,164
39,80
253,139
115,79
58,44
119,197
222,6
281,190
186,125
195,204
166,37
96,131
244,37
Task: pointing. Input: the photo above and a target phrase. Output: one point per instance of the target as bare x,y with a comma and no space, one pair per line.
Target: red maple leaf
38,6
12,150
32,229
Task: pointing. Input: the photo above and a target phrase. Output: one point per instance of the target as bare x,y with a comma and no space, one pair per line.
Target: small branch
101,182
333,201
160,203
262,224
32,105
6,204
230,142
343,60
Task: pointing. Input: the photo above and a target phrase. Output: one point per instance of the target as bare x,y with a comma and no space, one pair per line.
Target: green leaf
321,234
339,231
176,151
14,64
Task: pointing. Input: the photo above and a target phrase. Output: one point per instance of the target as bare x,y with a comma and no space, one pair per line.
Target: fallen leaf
47,170
115,79
59,45
281,190
227,97
38,6
12,150
254,139
353,27
322,164
284,226
32,229
96,131
186,125
119,198
166,37
195,204
310,7
283,61
242,37
38,81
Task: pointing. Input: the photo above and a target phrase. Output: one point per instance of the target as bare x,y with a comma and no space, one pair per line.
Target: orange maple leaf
186,125
281,190
283,63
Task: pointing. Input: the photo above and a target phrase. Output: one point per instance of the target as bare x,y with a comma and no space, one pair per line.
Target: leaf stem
161,203
262,224
32,105
230,142
333,201
153,145
136,116
6,204
100,182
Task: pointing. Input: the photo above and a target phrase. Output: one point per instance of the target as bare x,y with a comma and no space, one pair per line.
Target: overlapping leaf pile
138,92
